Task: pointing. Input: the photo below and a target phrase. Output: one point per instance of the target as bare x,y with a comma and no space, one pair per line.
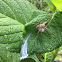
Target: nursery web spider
41,28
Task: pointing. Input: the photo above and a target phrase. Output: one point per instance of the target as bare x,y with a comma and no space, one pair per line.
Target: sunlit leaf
51,5
58,4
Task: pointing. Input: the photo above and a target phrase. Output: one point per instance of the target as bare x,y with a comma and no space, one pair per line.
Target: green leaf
51,5
10,33
13,15
28,60
6,56
18,10
49,41
58,4
49,55
16,17
32,58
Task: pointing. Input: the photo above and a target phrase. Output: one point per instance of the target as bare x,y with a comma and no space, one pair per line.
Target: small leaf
13,15
51,5
58,4
32,58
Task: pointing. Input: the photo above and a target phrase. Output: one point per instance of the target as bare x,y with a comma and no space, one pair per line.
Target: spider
41,28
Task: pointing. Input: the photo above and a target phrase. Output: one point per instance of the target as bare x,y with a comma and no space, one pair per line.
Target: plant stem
54,55
45,57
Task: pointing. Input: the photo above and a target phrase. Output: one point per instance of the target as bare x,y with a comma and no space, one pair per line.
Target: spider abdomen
41,29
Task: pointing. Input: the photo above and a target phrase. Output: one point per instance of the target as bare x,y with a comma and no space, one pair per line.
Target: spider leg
47,21
37,36
37,21
50,31
41,35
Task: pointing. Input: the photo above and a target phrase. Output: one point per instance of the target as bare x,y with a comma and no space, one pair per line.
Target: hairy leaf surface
49,41
16,22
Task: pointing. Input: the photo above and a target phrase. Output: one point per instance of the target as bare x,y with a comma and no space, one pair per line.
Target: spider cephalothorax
41,28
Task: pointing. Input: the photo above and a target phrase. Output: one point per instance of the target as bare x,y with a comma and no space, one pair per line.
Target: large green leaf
16,17
13,15
58,4
49,41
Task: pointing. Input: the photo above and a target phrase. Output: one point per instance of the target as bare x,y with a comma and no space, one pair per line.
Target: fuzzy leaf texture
13,15
49,41
32,58
6,56
16,16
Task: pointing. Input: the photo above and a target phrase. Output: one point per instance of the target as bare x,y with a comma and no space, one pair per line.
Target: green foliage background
16,17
